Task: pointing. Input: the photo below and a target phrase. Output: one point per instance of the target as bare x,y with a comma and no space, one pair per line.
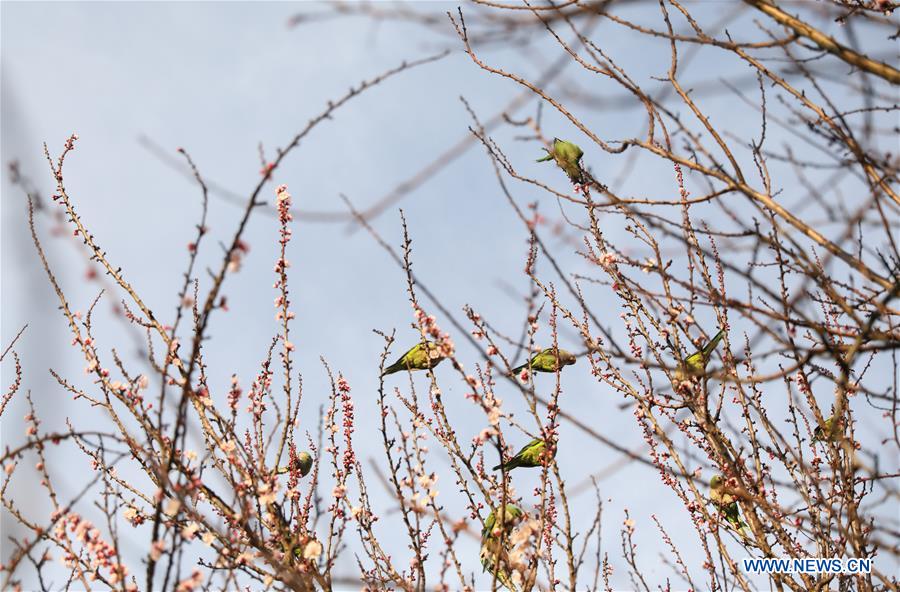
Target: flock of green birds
426,355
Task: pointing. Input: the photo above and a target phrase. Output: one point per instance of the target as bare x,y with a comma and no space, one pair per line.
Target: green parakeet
568,157
828,433
303,462
422,356
307,549
530,456
548,360
511,515
494,557
728,505
695,364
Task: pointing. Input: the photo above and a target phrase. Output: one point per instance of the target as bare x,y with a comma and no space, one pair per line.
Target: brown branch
827,42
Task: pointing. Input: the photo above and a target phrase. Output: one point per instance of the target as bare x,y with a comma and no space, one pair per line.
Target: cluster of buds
236,256
134,516
523,543
258,390
234,393
283,203
608,262
192,583
428,325
427,482
171,354
802,385
267,492
343,388
312,550
361,515
32,423
98,554
131,392
491,405
70,143
203,396
339,497
483,436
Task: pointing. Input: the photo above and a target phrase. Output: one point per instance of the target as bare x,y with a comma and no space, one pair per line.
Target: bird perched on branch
303,462
568,157
548,360
695,364
494,536
531,455
728,505
828,432
422,356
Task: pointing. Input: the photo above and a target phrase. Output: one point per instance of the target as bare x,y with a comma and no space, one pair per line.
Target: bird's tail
518,369
395,367
494,565
708,349
546,158
503,578
508,465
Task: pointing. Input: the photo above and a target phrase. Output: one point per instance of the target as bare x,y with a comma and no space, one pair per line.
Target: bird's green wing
488,525
551,359
567,151
544,361
531,454
406,360
827,433
419,357
733,517
695,363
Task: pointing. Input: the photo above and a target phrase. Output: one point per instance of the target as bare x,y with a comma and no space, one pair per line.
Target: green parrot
568,157
511,514
303,461
546,361
828,433
695,364
297,550
530,456
422,356
494,557
728,505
